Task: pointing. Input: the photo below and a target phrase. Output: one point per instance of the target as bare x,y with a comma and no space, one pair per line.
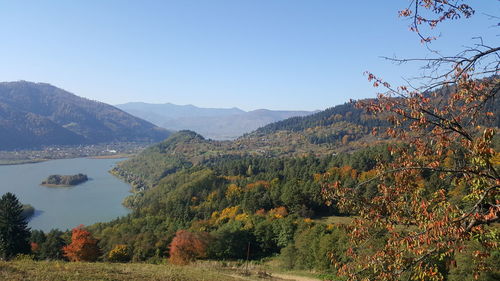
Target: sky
251,54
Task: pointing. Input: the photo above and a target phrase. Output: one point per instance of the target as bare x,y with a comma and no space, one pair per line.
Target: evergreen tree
14,234
51,249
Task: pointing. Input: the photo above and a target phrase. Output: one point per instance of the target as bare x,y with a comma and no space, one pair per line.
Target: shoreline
57,185
116,156
22,161
34,161
55,152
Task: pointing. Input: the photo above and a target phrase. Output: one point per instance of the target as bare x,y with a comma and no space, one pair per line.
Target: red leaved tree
83,246
442,190
187,246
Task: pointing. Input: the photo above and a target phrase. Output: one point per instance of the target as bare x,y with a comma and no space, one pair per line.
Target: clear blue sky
277,54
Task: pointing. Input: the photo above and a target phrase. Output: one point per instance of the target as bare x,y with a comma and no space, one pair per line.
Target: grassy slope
58,271
27,270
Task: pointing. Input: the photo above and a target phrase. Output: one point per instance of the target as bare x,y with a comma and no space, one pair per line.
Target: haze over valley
213,123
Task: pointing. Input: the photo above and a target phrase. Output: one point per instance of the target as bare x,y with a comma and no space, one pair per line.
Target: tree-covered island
65,180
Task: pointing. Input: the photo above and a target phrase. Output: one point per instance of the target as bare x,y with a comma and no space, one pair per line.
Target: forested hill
36,114
341,113
348,113
338,129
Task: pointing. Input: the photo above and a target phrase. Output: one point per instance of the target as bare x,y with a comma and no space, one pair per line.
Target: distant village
109,150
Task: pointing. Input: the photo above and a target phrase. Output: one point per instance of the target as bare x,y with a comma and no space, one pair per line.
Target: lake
97,200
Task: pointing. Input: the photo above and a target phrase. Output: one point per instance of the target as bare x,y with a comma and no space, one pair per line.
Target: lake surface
97,200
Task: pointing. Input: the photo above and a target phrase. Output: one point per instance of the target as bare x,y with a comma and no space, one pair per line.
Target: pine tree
14,233
51,248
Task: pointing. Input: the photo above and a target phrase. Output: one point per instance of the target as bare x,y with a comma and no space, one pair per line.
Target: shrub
120,253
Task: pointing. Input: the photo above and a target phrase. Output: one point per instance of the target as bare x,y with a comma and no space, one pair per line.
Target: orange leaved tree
187,246
441,191
83,246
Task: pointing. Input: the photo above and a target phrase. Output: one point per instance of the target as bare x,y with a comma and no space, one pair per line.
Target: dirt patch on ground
294,277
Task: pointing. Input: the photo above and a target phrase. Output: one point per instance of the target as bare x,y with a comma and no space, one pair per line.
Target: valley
211,123
264,196
250,140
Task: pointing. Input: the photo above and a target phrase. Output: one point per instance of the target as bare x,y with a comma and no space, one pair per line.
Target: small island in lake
70,180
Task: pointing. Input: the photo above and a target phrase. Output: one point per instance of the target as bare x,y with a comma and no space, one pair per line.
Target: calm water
96,200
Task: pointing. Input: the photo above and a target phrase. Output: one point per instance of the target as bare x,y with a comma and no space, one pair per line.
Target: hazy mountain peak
213,123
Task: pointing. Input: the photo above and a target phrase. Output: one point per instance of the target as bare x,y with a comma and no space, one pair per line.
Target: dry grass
335,220
59,271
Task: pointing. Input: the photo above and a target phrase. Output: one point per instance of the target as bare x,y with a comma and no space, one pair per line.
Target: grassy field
59,271
335,220
27,270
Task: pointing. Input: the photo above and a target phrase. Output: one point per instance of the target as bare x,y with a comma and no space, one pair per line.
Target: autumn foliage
120,253
83,246
441,191
187,247
428,14
34,247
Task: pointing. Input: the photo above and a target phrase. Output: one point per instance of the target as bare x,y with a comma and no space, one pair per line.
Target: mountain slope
337,129
213,123
35,114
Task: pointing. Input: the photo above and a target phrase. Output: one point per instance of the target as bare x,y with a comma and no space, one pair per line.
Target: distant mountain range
213,123
37,114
